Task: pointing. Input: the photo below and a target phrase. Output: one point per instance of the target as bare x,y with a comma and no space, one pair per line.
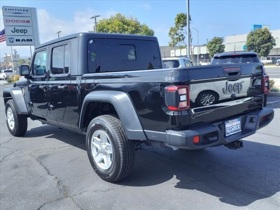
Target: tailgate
237,88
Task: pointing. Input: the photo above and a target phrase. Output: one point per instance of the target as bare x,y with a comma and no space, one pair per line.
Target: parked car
277,62
5,74
176,62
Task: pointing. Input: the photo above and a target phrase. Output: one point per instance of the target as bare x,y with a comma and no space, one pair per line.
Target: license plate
232,126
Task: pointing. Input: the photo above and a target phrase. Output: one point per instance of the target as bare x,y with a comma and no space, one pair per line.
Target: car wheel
110,153
17,124
206,98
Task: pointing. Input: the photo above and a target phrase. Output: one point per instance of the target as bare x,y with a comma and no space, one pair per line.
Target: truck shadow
236,177
54,132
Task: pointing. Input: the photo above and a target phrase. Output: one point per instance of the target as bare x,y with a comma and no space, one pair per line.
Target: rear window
8,71
235,59
109,55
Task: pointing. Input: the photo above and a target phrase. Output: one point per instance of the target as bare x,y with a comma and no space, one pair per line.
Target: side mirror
24,70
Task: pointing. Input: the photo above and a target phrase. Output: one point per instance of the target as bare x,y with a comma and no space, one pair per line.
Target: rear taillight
177,98
265,84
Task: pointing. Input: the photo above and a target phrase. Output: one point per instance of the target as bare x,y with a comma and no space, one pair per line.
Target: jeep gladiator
113,89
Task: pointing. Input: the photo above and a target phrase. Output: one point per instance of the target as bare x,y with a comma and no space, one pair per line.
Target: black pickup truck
113,89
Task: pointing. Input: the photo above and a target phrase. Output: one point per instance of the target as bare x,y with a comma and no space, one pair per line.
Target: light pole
198,48
15,59
189,30
207,48
58,33
95,22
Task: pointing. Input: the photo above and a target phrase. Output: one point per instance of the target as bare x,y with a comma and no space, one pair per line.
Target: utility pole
15,59
198,48
95,22
189,31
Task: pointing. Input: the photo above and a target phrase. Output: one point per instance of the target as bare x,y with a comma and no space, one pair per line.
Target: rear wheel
17,124
206,98
110,153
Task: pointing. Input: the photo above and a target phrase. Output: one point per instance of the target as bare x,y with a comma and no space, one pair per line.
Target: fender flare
124,108
16,94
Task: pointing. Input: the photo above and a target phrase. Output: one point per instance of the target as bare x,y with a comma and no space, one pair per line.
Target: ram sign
21,26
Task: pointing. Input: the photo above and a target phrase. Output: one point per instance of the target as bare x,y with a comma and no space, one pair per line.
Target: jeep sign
18,30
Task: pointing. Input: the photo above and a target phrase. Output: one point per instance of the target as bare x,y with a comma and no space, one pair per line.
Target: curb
270,66
274,94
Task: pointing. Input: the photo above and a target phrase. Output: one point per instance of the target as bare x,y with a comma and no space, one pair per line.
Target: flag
2,36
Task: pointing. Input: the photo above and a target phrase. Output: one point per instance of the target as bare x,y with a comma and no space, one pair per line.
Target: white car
177,62
5,74
212,92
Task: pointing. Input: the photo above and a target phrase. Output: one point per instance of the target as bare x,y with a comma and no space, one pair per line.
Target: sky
210,18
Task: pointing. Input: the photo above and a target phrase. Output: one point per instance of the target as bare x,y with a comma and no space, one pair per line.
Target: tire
110,153
206,98
17,124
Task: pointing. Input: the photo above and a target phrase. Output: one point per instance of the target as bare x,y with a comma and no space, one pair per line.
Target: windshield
171,64
235,59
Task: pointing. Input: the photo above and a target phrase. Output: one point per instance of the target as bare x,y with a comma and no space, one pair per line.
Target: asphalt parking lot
48,168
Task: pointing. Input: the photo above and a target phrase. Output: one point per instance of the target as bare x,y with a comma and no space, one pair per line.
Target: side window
255,59
188,63
60,60
39,64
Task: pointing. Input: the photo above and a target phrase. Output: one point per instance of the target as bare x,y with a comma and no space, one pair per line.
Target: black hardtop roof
234,54
99,35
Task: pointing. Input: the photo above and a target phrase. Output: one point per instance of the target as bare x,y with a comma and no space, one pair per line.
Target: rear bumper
214,134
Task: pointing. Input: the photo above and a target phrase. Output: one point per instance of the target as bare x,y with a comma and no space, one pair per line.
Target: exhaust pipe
234,145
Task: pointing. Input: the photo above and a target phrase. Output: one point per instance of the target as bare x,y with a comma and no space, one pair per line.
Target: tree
260,41
215,46
123,25
178,32
23,61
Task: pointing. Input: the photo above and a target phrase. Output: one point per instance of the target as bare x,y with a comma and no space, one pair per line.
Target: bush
271,83
272,86
13,78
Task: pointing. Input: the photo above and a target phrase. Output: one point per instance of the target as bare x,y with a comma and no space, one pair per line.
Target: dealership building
232,43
